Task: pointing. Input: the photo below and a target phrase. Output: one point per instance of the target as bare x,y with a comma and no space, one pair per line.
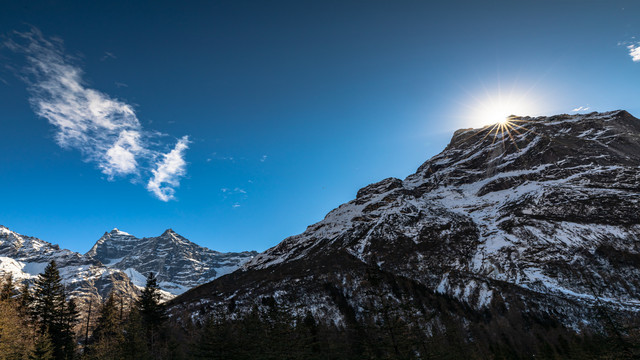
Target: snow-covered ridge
552,208
178,263
24,257
118,262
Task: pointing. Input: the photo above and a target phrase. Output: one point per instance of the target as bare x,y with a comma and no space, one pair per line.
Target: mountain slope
25,257
544,220
178,263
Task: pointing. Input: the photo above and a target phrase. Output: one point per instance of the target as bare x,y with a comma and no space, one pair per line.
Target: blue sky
239,123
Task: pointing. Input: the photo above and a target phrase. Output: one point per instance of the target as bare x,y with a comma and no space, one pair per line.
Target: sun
503,121
488,106
501,117
498,110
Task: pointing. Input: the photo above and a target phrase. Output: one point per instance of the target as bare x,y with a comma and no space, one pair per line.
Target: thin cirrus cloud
236,193
634,52
580,108
105,130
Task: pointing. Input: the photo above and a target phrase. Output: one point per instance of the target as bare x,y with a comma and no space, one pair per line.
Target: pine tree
8,290
48,300
44,349
149,303
53,316
151,312
69,319
108,336
108,322
135,345
25,300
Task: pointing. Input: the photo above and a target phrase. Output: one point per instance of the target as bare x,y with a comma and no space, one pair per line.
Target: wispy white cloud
105,130
634,52
581,108
107,55
168,171
237,195
121,157
216,156
235,191
263,158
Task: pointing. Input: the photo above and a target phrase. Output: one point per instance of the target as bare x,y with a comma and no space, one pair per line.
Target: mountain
178,263
539,224
118,262
25,257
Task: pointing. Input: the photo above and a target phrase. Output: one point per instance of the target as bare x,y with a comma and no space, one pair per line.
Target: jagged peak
8,232
169,231
5,231
174,237
519,133
462,135
118,232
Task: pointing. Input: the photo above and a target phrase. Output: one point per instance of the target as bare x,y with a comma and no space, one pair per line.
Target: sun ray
512,139
512,128
489,132
526,129
495,135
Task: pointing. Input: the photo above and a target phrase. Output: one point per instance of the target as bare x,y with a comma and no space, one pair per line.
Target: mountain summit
178,263
24,257
542,220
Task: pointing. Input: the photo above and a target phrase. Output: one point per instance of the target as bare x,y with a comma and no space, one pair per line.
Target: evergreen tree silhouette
151,312
53,315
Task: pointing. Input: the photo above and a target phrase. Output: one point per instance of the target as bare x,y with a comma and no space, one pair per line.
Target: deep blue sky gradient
335,94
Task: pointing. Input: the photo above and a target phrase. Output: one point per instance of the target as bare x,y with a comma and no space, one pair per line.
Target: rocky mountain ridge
118,262
25,257
178,263
542,219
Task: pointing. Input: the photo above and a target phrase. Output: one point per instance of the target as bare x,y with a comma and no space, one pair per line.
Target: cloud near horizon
581,108
105,130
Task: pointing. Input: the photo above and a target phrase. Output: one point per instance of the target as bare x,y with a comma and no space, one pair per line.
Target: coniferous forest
41,322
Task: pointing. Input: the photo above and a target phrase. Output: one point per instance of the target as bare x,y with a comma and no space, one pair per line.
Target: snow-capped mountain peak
117,231
547,213
178,263
25,257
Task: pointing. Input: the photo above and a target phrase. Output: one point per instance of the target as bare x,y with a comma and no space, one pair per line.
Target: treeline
272,333
38,323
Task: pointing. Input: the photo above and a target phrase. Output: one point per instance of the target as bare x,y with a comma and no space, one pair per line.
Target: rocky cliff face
118,262
178,263
543,220
25,257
